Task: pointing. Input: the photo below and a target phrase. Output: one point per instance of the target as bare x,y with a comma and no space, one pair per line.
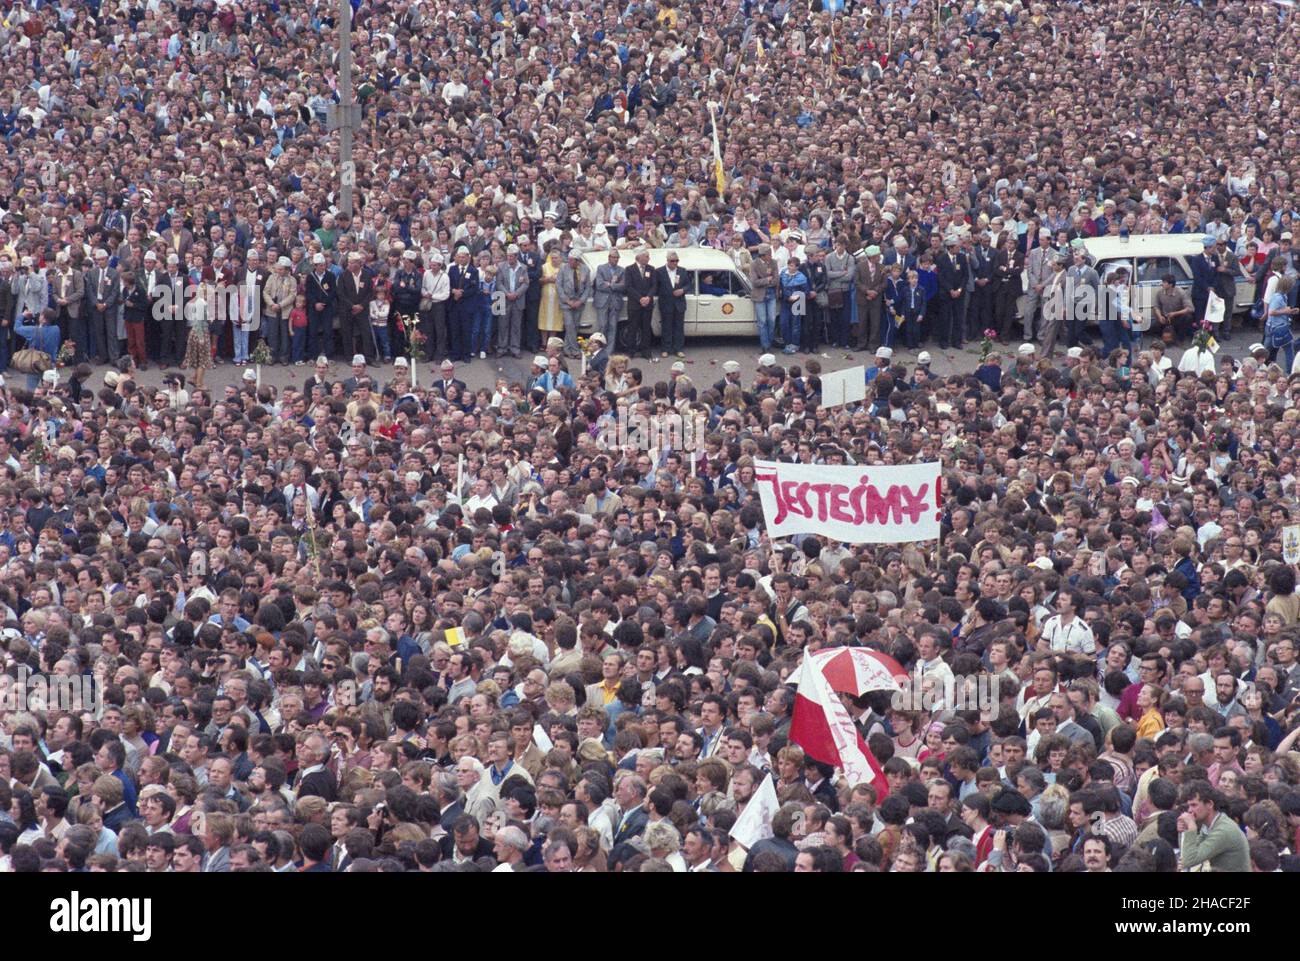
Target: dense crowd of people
385,622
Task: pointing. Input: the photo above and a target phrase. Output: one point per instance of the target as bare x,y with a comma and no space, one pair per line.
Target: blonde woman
616,379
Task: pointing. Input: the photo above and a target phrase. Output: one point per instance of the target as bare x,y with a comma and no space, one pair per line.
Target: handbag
426,304
29,360
836,299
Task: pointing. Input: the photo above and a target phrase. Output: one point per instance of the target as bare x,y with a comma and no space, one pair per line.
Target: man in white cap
448,379
548,232
356,289
68,289
610,296
1039,265
599,359
730,377
103,293
869,284
169,309
512,285
883,357
435,291
573,284
358,373
322,302
279,293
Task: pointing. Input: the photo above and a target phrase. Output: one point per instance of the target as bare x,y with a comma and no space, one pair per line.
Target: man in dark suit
466,294
314,779
633,817
449,379
1204,268
152,282
322,300
981,303
169,304
463,842
672,307
356,289
642,287
950,288
103,292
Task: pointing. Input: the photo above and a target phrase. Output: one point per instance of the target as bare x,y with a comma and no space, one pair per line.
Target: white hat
401,362
539,361
112,378
922,358
767,360
1286,235
408,255
884,353
597,337
318,258
1257,348
249,375
1130,479
322,361
1025,350
679,368
358,360
413,476
284,262
513,249
51,376
522,239
1042,563
218,254
1074,353
731,367
26,262
150,255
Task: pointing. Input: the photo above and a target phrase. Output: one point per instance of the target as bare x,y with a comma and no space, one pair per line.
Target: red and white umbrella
858,670
821,725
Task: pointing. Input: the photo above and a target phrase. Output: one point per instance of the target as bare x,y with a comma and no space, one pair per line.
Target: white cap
922,358
1286,235
539,361
731,367
217,254
1042,563
1074,353
413,476
51,376
150,255
767,360
513,249
284,262
26,262
358,360
401,362
408,254
318,258
322,361
597,337
1257,348
884,353
1130,479
679,368
1025,350
249,375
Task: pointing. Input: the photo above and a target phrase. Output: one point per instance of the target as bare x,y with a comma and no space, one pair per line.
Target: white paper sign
842,387
1214,308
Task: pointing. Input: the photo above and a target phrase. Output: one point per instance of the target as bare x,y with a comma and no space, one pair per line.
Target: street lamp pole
347,109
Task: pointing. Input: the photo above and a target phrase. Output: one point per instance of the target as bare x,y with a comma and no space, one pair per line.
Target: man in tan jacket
278,296
869,283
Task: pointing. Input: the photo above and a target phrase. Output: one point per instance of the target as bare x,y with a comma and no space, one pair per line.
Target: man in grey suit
1038,264
610,296
512,281
103,291
573,285
68,291
31,293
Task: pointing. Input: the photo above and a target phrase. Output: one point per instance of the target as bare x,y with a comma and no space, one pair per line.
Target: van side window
1152,269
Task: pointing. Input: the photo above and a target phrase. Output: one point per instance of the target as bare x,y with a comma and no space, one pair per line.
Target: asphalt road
704,359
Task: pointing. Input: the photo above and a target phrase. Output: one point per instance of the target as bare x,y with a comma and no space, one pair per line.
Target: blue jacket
40,338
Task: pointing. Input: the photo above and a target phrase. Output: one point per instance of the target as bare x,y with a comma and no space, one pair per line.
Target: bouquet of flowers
417,341
262,354
986,343
67,352
1204,337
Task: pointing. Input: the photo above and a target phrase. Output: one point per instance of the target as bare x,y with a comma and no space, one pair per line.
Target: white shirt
1075,636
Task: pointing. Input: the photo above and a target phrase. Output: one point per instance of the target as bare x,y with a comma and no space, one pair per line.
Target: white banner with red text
854,504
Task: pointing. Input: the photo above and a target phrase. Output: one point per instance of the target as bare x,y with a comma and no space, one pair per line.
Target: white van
717,292
1148,257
